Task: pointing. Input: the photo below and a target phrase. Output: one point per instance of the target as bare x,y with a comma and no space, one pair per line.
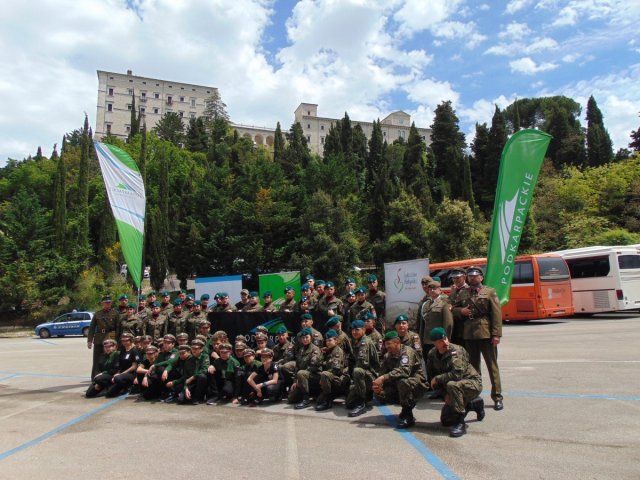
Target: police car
73,323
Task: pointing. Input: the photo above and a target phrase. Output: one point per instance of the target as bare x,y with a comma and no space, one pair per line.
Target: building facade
153,99
394,126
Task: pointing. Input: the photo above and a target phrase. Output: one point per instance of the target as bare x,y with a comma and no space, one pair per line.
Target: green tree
135,118
170,128
215,109
599,145
407,229
297,154
456,234
635,140
447,144
278,145
82,206
196,135
60,203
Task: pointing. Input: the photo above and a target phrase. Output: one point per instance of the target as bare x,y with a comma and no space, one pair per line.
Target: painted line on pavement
10,376
45,375
46,341
59,428
422,449
569,395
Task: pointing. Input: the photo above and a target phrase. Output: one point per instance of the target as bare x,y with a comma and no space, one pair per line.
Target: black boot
436,394
306,401
358,410
406,418
459,428
477,405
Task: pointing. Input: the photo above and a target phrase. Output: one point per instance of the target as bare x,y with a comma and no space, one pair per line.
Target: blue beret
357,324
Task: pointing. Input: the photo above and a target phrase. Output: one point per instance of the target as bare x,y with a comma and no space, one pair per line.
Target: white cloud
515,6
541,44
567,17
521,47
515,31
484,7
459,30
571,57
431,92
527,66
417,15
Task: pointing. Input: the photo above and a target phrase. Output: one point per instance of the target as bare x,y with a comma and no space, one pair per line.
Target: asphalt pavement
572,410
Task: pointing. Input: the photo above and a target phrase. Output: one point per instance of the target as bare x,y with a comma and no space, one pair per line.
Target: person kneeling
265,381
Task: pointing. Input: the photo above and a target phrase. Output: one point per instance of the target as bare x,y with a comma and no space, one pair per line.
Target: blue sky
368,58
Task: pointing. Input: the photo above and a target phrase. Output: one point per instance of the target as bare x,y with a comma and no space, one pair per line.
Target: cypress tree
599,145
135,121
60,201
54,154
447,144
142,160
83,193
278,145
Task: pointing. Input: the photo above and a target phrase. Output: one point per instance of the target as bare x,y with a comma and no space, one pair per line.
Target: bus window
552,269
628,261
589,267
443,274
523,273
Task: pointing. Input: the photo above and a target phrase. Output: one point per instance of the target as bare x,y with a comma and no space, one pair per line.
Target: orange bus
541,286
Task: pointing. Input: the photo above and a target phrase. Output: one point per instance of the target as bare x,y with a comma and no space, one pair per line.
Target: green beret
165,294
309,277
332,321
305,287
196,303
350,280
267,294
305,331
123,296
132,305
281,331
217,296
288,288
368,316
253,293
320,282
372,278
153,292
351,293
224,295
190,297
156,304
306,316
329,284
177,302
361,290
401,318
142,298
331,334
205,296
437,333
357,324
390,335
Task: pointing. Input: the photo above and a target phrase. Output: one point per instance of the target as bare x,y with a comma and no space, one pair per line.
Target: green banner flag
275,283
519,168
125,190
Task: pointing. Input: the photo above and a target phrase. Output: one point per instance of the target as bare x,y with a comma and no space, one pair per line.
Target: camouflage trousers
332,385
462,392
360,389
405,391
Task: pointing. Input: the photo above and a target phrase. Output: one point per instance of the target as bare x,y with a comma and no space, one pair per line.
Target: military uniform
378,300
104,325
364,366
192,323
307,365
404,380
376,337
484,323
156,327
358,309
459,299
176,323
227,377
325,304
270,307
289,306
129,325
412,340
282,351
107,366
252,308
434,313
333,379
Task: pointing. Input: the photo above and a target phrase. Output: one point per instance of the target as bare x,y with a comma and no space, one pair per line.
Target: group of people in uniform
169,354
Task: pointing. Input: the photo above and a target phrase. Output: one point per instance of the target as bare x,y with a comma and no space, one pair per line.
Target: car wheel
44,333
85,331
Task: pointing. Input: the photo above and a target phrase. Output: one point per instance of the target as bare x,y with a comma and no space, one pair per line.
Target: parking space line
10,376
37,405
44,375
568,395
46,341
422,449
59,428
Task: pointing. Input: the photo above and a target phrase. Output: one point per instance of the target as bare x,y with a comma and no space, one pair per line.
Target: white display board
403,288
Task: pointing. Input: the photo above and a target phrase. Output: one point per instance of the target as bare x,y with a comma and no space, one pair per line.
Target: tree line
217,204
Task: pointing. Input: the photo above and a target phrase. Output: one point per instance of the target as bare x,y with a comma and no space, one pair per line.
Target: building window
193,102
169,99
322,140
130,91
111,92
170,86
308,138
384,134
127,128
182,99
157,84
181,113
155,110
144,83
321,127
142,110
192,115
193,89
181,88
143,94
110,78
130,81
208,91
308,112
308,125
156,95
108,129
129,106
109,107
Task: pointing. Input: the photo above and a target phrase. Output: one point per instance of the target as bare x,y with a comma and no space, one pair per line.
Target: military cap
437,333
331,334
132,305
361,290
205,296
266,352
141,298
475,271
332,321
224,295
262,328
349,280
261,337
137,339
306,316
123,296
351,293
109,341
248,351
182,335
226,347
146,338
368,316
217,296
329,284
153,293
240,346
190,297
426,279
267,294
304,299
282,330
357,324
183,291
151,349
372,278
197,302
184,348
126,335
390,335
253,293
305,331
204,322
456,272
435,284
240,338
288,288
197,343
309,277
156,304
319,282
200,337
169,338
305,287
245,291
165,294
177,302
401,318
106,299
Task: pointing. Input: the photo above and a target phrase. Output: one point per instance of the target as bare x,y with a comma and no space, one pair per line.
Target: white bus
604,279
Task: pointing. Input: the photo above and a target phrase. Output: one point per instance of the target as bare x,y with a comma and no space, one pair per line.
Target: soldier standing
434,312
458,298
289,304
104,325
